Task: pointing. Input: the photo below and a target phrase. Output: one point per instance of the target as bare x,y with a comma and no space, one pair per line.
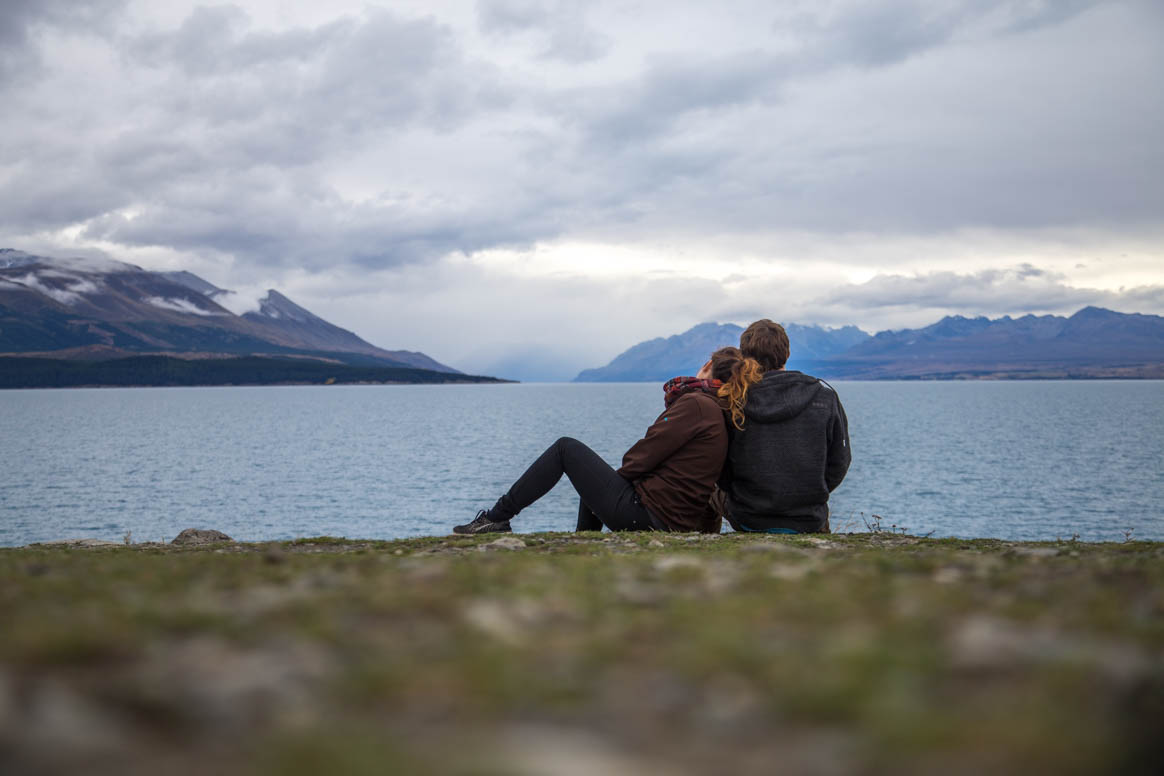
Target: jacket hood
780,395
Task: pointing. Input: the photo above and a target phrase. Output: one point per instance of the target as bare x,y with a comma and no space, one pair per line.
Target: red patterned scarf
677,386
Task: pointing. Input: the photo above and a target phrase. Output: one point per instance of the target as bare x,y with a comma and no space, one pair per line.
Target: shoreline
882,535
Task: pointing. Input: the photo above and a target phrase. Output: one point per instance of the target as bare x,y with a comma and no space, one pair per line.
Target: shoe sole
490,528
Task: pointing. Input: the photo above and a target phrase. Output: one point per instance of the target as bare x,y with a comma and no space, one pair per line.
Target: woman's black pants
607,499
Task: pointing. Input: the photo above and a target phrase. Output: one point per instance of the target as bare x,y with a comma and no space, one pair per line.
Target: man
794,448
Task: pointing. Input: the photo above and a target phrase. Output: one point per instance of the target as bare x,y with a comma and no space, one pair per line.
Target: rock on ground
197,536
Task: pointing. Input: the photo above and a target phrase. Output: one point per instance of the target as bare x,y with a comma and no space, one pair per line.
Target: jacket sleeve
839,454
724,482
673,429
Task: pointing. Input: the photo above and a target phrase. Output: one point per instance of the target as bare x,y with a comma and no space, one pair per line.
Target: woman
666,478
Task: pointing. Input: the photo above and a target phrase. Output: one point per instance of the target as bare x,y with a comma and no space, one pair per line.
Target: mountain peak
192,282
95,265
1094,313
709,326
275,305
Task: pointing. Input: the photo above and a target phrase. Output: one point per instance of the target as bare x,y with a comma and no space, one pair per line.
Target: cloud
830,37
1022,289
178,305
234,158
261,148
377,138
560,25
68,292
241,302
877,33
21,20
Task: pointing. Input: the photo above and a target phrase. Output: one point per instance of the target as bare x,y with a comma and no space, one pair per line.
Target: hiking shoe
483,523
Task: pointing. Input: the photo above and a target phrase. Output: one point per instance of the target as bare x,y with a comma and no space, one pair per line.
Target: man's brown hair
767,342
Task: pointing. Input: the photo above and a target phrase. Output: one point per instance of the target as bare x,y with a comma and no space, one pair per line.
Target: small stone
398,552
274,554
655,543
791,572
772,546
948,575
508,621
507,543
198,536
671,562
1036,552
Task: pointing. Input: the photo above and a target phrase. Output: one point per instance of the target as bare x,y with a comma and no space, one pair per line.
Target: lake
1010,460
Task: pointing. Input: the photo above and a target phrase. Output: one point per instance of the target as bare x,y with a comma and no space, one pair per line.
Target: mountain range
682,354
98,310
1093,342
102,309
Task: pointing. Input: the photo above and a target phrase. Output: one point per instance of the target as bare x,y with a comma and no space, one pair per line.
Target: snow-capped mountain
97,308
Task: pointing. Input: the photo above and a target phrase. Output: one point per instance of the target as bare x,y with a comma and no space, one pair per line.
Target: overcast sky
507,180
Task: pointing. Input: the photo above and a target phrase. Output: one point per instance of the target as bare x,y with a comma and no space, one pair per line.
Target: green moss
1029,657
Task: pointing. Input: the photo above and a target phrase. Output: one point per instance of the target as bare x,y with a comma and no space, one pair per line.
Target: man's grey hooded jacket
792,452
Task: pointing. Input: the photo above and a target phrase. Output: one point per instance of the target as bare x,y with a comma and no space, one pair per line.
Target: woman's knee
565,445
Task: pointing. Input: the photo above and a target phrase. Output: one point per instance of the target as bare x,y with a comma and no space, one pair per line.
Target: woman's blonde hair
737,372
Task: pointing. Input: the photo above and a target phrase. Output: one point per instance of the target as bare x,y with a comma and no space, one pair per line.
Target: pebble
771,546
1036,552
274,554
678,562
791,572
507,543
948,575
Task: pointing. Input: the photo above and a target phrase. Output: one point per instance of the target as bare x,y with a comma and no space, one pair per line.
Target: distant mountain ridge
1093,342
96,309
683,354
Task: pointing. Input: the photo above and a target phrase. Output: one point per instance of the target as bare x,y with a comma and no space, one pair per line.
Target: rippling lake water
1010,460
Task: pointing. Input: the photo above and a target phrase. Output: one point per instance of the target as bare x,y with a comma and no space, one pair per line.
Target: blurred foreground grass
587,653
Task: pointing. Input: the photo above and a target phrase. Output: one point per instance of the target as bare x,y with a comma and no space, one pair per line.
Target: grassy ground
558,653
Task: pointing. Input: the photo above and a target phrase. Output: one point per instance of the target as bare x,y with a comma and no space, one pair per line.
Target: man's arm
666,435
839,454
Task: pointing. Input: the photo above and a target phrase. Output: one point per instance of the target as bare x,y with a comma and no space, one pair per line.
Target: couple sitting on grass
743,439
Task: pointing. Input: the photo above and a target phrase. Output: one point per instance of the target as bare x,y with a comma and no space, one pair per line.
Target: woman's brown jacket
674,467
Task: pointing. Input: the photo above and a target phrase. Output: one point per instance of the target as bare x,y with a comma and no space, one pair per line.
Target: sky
529,187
